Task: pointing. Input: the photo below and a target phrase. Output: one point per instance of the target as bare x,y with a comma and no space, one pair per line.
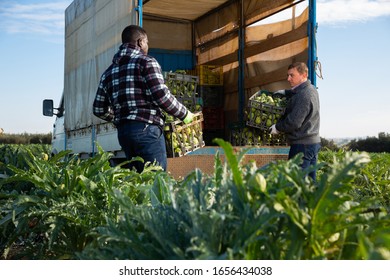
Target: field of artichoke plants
61,207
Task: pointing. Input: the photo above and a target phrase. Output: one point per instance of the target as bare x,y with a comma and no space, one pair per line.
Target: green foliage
372,144
86,209
18,155
374,181
226,216
25,138
371,181
66,199
329,144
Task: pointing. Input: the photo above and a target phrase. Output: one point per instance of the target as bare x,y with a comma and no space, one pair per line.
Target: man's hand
273,129
188,119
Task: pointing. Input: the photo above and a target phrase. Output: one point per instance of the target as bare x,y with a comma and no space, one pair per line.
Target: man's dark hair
132,33
300,66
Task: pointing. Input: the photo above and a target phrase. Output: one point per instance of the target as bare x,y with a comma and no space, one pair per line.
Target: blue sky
353,41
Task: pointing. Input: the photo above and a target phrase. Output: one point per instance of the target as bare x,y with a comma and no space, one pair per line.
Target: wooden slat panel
264,46
265,78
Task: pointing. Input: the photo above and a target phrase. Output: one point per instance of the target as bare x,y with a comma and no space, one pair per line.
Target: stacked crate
264,109
210,75
184,88
181,138
212,95
245,135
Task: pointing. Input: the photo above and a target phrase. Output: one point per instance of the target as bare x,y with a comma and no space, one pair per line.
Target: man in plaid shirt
132,94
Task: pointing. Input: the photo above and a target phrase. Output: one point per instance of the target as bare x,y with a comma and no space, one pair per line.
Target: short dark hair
300,66
132,33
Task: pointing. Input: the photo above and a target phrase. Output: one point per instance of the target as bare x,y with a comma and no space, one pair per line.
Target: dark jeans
310,155
144,140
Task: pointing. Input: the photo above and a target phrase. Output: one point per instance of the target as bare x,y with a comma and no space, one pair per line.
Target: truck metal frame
182,35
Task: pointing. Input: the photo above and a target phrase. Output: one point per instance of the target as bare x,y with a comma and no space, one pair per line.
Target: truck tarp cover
208,28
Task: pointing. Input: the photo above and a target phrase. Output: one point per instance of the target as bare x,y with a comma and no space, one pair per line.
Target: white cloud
334,12
41,18
338,12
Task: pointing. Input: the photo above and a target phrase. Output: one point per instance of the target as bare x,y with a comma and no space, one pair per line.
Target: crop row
62,207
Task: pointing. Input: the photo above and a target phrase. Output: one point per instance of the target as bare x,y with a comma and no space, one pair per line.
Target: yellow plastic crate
210,74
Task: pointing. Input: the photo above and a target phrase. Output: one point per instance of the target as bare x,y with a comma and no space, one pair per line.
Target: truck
252,42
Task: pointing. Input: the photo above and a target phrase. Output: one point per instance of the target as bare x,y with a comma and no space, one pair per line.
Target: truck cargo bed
204,158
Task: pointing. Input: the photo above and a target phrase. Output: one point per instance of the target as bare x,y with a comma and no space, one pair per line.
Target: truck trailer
251,41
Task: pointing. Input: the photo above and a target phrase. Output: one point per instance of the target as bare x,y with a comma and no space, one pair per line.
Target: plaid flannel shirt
133,88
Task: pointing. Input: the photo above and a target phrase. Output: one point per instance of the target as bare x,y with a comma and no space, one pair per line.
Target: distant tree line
25,138
378,144
372,144
329,144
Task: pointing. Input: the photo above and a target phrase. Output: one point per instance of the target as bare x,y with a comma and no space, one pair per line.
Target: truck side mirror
48,107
